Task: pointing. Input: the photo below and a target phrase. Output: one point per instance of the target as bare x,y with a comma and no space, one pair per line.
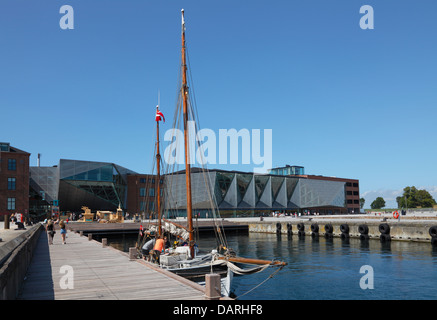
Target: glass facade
239,191
97,185
288,171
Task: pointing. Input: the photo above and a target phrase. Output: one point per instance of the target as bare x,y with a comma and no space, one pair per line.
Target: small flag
159,116
141,230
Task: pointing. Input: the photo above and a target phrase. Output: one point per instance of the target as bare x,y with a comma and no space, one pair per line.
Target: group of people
50,228
154,246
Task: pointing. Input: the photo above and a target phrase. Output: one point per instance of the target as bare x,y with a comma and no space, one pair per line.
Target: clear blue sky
341,101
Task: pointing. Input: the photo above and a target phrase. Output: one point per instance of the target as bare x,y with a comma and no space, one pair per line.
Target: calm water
324,269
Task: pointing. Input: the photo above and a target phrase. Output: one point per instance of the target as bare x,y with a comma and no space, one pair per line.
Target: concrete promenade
98,273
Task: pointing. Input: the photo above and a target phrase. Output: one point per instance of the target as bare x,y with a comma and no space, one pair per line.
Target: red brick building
14,180
141,195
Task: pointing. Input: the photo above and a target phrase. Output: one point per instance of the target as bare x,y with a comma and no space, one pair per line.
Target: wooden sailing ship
186,261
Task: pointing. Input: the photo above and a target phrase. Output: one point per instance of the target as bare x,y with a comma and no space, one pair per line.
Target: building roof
6,147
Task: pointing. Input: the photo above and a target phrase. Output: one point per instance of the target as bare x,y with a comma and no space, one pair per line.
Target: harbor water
329,269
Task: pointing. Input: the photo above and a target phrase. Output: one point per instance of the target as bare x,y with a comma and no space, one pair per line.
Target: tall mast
184,93
158,177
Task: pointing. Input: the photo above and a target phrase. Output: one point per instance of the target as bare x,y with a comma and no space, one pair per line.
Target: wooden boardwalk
99,274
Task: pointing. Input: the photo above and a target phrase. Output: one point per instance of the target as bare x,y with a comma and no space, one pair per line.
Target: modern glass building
73,184
288,170
242,193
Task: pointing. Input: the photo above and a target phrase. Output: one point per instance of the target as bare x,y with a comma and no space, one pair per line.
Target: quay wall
15,258
399,230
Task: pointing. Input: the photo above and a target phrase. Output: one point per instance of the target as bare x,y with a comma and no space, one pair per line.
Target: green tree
378,203
362,200
413,198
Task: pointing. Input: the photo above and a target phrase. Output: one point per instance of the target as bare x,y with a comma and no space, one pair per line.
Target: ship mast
158,177
184,92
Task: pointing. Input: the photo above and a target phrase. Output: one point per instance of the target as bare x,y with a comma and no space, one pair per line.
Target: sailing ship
187,260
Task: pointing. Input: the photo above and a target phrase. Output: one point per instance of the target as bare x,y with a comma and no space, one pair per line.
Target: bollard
132,252
212,286
81,233
90,237
104,242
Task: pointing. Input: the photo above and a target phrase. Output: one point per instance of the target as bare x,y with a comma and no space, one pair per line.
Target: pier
200,226
97,273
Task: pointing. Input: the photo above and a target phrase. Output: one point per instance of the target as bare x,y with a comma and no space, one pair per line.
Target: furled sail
177,231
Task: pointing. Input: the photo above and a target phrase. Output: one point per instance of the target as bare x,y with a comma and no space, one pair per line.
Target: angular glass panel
260,184
291,186
224,180
243,181
276,185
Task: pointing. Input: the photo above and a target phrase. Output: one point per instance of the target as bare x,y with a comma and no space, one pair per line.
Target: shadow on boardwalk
38,283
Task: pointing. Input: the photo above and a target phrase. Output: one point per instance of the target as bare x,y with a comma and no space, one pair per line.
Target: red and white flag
159,116
141,230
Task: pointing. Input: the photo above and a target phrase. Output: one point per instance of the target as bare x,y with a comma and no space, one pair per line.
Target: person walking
63,231
50,228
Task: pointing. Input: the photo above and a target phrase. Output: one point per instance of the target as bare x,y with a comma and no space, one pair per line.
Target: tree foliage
378,203
413,198
362,201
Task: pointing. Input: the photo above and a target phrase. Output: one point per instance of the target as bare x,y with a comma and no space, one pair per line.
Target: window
11,203
142,180
11,183
4,147
12,164
142,192
151,192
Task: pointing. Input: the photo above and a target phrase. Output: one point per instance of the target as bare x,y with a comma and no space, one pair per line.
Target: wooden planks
98,274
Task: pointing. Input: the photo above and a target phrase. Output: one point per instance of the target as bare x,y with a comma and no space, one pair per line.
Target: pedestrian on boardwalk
63,230
50,228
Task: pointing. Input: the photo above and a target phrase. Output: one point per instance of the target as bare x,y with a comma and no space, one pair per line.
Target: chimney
39,158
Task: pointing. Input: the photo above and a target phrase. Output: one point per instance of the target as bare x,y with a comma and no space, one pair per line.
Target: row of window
149,206
354,201
349,184
355,193
151,192
144,180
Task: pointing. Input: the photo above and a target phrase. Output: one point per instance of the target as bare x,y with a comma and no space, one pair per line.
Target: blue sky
341,101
